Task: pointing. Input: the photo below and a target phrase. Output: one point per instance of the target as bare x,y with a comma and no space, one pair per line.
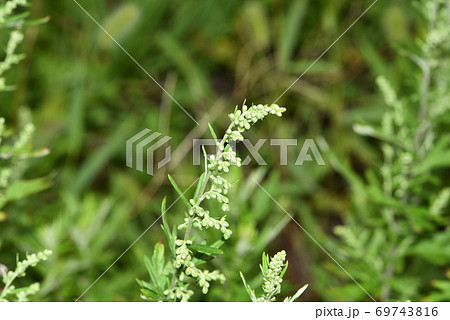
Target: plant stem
199,200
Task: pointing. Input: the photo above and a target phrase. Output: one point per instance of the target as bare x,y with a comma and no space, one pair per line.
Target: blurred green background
87,97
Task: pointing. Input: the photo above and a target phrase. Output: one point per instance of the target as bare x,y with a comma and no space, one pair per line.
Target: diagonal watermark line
134,242
326,50
137,63
315,241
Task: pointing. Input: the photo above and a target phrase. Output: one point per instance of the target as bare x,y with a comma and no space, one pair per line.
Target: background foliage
86,97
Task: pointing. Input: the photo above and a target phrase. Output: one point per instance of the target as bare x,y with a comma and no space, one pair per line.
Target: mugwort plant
173,280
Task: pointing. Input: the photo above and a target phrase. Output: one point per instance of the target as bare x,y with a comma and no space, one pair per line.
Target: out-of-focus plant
396,241
9,291
171,281
273,271
15,152
13,21
7,17
15,149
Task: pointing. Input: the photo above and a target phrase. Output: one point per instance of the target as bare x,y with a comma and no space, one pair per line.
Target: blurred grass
87,97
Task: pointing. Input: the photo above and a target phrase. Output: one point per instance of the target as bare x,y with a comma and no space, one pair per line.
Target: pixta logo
144,141
308,152
143,145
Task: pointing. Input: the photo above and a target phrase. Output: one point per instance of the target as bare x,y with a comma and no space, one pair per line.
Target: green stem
199,200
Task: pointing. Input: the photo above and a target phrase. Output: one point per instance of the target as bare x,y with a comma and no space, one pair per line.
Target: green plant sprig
10,292
211,185
273,270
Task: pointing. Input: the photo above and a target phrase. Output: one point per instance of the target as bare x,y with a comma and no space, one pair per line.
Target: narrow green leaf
213,133
163,205
150,295
297,294
174,232
218,244
166,228
205,155
265,262
205,249
284,269
199,186
23,188
151,271
250,291
178,190
158,257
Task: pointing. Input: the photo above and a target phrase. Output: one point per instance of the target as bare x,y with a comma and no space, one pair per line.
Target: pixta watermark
141,148
147,142
308,151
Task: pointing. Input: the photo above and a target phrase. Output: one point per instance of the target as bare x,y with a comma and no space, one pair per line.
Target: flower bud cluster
7,8
205,277
9,276
183,259
243,119
181,293
16,37
183,255
214,187
272,277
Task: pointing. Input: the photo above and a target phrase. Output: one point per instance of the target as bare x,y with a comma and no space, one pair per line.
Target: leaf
156,268
158,257
119,24
166,228
205,155
19,20
367,130
265,263
178,190
199,186
37,21
293,24
218,244
250,291
284,269
151,270
23,188
205,249
297,294
435,250
174,232
150,295
213,133
438,157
